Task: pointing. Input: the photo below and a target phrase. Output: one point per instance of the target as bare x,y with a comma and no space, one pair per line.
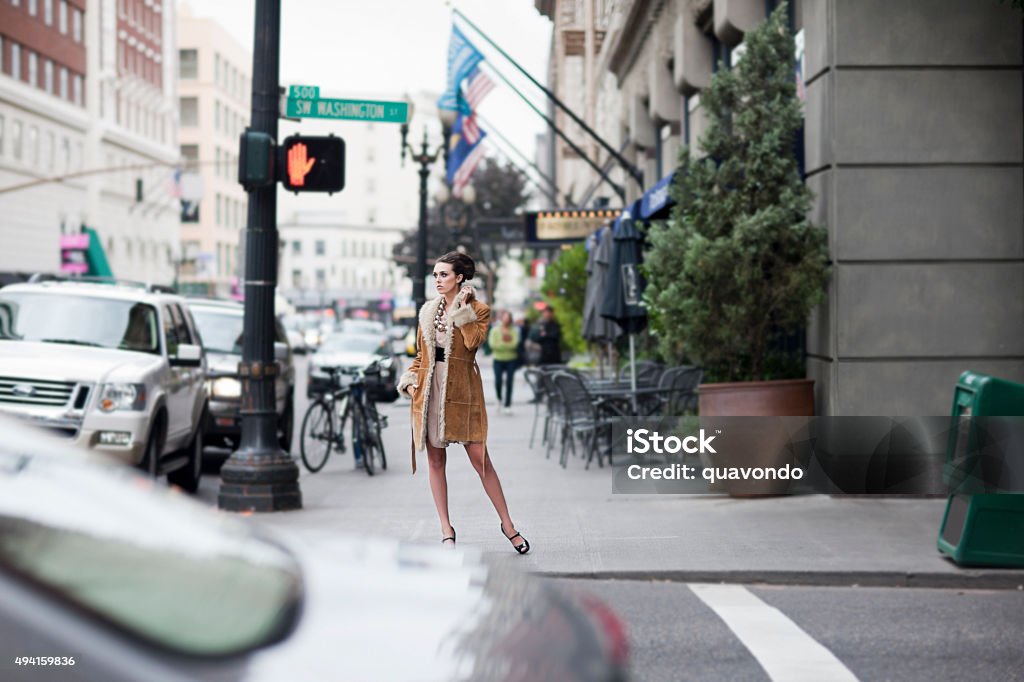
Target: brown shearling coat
463,416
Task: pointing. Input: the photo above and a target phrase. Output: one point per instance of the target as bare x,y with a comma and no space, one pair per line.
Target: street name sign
304,92
348,109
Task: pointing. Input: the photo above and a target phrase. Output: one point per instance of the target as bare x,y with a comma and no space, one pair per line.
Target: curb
969,580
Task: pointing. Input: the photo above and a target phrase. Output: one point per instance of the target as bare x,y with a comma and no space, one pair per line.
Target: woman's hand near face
466,294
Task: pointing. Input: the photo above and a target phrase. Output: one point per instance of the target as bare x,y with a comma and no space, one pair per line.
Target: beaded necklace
440,318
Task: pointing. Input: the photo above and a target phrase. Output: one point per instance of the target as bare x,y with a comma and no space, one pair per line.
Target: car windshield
79,320
221,331
346,343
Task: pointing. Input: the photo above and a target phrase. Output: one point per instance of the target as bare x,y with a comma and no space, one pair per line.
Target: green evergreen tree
738,262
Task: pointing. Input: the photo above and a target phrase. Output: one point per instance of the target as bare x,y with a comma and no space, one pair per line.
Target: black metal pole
492,129
419,286
260,476
630,168
551,123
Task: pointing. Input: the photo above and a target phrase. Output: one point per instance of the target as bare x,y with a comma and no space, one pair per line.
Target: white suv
114,367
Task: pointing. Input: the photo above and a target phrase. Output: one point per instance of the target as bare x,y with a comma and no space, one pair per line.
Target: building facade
913,146
214,76
88,133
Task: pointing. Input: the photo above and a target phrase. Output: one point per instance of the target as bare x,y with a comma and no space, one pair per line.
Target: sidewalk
578,528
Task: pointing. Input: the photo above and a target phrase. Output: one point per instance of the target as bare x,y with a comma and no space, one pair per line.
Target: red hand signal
298,165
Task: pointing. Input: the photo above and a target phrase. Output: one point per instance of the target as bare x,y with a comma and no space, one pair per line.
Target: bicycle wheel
377,429
317,435
361,431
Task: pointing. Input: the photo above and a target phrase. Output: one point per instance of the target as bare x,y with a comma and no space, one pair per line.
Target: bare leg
492,486
438,457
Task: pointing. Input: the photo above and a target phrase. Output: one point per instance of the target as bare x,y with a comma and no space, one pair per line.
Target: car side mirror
280,351
188,355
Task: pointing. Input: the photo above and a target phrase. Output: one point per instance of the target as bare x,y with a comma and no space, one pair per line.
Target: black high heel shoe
452,538
523,547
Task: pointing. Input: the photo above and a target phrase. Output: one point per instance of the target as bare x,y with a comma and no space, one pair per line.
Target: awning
656,201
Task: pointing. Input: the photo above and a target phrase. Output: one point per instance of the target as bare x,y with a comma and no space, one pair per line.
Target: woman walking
447,393
504,341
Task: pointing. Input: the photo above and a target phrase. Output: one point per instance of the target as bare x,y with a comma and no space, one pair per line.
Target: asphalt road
848,633
682,631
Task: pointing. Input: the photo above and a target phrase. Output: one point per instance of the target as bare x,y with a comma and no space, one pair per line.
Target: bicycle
320,433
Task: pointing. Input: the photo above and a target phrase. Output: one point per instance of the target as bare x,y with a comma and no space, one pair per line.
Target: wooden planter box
783,398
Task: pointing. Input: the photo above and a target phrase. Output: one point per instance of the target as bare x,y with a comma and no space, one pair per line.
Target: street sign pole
260,476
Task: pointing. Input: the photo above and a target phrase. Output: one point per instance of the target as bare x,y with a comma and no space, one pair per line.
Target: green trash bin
983,528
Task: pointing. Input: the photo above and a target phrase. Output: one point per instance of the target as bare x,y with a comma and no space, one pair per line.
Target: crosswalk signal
313,163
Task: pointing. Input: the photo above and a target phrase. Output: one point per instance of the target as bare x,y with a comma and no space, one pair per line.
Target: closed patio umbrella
625,284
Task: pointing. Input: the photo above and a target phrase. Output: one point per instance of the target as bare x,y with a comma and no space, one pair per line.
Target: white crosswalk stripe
780,646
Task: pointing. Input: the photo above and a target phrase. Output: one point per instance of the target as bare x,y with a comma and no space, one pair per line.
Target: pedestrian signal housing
312,164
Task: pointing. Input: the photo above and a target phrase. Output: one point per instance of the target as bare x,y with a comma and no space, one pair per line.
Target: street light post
425,159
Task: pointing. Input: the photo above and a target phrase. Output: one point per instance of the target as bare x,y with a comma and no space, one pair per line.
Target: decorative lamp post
425,158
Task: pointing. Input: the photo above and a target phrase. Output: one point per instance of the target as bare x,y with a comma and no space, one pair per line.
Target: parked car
353,325
115,367
351,350
220,325
129,581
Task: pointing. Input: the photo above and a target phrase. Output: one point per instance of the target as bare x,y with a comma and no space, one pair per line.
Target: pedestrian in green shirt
504,342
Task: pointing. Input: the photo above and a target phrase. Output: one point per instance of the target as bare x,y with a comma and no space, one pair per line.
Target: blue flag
462,59
464,152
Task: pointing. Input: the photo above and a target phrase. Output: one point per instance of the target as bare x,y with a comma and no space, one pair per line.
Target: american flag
478,84
465,171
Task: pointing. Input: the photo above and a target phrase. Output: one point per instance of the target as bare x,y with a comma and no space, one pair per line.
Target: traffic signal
312,164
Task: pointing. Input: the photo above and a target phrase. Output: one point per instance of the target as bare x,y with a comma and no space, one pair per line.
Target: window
48,12
2,130
16,61
216,167
296,278
370,155
48,76
321,247
219,202
16,140
321,277
371,185
76,25
170,331
50,150
63,82
33,68
33,7
216,116
296,248
371,216
33,146
189,111
188,64
216,68
66,146
62,17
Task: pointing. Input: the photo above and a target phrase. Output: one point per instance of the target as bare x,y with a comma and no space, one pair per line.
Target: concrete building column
692,63
733,18
915,152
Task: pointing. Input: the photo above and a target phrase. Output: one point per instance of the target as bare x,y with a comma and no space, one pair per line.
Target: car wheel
151,455
286,425
187,477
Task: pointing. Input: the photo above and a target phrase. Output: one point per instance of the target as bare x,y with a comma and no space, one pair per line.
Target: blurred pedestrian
524,334
447,393
548,333
504,340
